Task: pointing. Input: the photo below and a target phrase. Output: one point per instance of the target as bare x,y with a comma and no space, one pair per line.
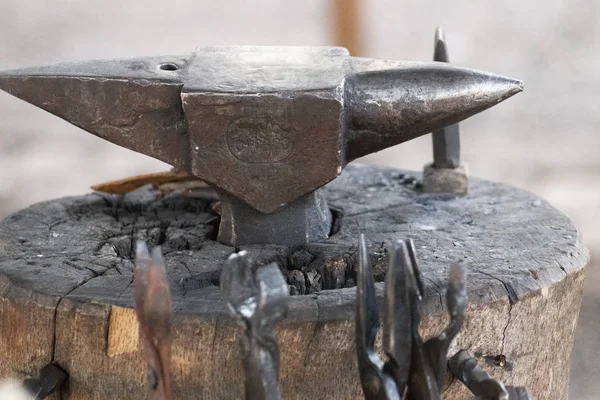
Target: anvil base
242,224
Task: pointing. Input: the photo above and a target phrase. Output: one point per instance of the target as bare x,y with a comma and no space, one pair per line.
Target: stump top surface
81,248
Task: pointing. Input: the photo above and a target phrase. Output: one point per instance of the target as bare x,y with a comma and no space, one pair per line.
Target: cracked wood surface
66,285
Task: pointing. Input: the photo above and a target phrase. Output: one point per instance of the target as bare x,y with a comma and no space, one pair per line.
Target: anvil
265,126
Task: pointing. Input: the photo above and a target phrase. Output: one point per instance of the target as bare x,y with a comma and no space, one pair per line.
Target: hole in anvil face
168,67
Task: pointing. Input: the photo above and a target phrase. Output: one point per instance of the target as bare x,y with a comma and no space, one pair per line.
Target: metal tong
154,312
414,369
258,303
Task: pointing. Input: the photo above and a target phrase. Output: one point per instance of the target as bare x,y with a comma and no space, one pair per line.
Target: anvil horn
132,103
391,106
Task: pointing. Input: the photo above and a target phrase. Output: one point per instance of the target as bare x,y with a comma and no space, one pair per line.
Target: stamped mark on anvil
260,139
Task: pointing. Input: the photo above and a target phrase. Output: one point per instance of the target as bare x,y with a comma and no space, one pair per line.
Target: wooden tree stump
67,295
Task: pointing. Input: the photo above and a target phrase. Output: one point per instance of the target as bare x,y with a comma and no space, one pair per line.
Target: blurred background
544,140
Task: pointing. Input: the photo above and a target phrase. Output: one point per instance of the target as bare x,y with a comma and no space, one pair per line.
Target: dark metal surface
376,383
412,366
446,141
307,219
480,383
436,348
267,125
414,369
258,303
48,381
154,312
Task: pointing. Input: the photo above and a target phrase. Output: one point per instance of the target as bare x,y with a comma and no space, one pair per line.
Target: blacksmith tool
413,366
447,173
265,126
258,303
446,141
154,312
480,383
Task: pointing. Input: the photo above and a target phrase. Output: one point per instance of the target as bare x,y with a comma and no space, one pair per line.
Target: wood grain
66,287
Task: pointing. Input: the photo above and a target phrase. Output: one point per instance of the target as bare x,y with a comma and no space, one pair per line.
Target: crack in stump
317,327
510,307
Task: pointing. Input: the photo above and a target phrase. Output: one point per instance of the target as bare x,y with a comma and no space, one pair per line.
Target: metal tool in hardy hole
265,126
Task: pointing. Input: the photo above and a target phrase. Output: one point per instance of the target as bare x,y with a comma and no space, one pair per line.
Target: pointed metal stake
446,141
447,173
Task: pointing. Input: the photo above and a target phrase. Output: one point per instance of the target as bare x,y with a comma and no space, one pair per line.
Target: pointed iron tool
446,141
265,126
447,173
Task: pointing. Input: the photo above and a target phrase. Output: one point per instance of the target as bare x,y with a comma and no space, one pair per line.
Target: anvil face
267,125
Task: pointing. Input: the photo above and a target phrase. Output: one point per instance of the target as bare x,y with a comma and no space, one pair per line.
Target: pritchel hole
168,67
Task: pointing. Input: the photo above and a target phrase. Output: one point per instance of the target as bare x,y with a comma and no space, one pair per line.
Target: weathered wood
26,331
66,287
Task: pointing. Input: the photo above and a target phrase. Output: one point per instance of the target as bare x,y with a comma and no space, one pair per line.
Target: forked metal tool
414,368
259,302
